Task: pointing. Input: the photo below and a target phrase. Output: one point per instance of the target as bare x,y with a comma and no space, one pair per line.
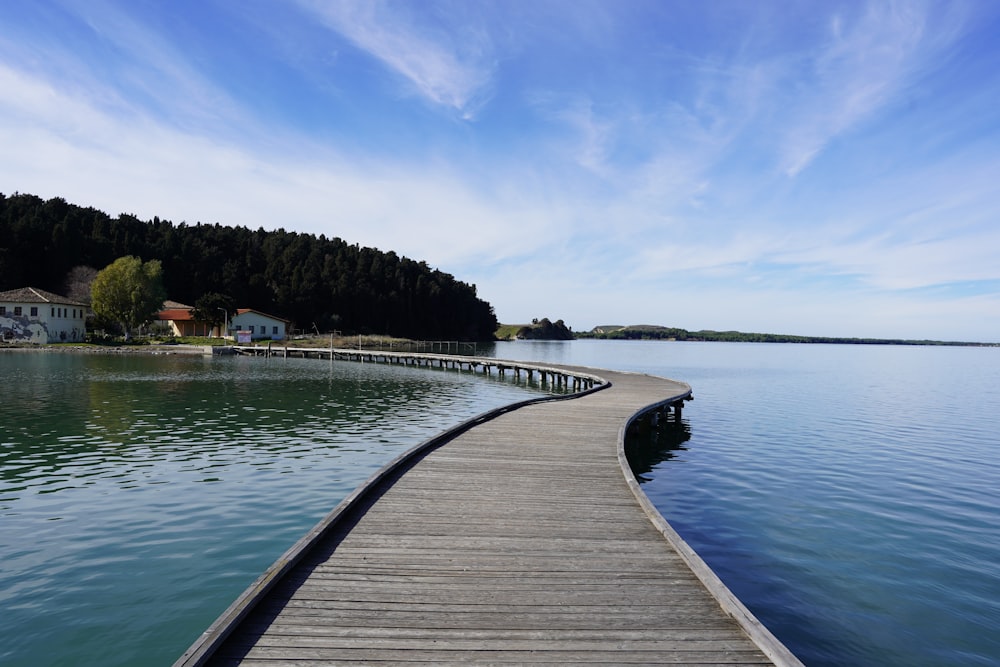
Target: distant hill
542,329
655,332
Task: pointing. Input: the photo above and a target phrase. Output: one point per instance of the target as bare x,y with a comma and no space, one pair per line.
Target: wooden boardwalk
519,541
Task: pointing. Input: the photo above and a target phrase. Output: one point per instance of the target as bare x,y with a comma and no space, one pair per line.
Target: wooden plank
477,619
290,655
299,640
517,540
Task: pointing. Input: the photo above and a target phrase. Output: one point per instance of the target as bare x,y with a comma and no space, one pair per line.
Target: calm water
849,495
139,495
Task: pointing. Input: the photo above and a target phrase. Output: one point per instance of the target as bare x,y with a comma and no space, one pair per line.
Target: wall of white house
42,323
259,326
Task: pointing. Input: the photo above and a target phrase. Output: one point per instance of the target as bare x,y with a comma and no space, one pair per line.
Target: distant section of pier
518,537
579,379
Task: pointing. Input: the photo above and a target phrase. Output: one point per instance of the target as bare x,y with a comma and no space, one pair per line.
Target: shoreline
363,342
113,349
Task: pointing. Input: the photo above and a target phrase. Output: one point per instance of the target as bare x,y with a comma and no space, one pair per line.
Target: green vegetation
652,332
542,329
545,330
321,284
128,292
188,340
214,309
507,331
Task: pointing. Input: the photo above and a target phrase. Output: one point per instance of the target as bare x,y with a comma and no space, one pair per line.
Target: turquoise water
849,495
140,495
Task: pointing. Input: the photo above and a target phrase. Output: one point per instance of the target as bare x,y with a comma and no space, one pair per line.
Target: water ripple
849,495
140,495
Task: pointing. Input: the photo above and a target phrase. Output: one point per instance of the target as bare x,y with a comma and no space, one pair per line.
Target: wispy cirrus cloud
451,66
60,143
119,64
867,60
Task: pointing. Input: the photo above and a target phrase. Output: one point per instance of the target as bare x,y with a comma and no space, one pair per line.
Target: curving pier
557,377
519,537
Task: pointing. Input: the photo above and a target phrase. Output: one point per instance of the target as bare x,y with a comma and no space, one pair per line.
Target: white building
259,325
32,315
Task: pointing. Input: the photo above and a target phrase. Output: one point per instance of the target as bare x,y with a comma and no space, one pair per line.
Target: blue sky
816,168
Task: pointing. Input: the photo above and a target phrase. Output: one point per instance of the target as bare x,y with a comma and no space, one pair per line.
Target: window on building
3,310
251,328
274,330
53,313
34,311
17,311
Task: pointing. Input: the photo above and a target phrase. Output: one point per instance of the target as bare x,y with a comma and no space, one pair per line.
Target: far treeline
652,332
320,284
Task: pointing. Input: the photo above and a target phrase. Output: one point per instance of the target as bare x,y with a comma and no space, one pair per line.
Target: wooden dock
575,380
519,537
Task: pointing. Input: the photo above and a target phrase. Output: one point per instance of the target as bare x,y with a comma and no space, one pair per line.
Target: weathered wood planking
521,540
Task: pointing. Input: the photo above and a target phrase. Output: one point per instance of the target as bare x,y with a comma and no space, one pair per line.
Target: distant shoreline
653,332
187,350
815,341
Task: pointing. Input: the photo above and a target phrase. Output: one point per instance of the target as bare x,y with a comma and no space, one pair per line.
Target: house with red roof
181,321
254,324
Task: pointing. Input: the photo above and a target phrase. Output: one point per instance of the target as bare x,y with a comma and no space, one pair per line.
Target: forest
321,284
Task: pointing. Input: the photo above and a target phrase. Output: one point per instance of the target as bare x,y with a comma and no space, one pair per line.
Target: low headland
544,330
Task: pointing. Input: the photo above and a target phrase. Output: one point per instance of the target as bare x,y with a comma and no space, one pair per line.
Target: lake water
140,494
849,495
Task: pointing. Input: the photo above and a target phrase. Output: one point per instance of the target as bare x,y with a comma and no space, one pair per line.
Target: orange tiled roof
176,314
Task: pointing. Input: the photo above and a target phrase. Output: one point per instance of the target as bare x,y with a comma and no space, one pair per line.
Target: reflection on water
653,440
139,495
849,495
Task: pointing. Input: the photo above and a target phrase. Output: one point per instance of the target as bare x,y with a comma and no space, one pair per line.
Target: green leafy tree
129,292
214,309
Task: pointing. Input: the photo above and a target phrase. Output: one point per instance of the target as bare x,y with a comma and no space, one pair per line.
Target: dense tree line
318,283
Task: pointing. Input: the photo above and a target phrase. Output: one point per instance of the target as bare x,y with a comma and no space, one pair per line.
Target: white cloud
56,144
136,69
866,62
451,67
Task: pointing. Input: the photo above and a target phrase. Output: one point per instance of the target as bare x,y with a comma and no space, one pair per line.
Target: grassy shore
197,344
